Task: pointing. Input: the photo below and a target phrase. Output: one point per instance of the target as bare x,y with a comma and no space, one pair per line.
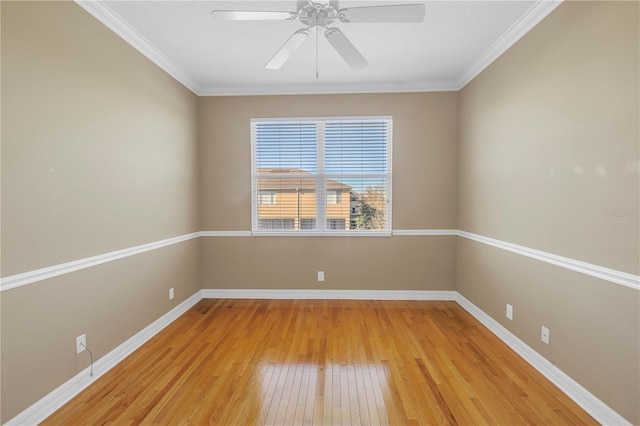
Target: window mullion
321,158
321,186
254,179
389,184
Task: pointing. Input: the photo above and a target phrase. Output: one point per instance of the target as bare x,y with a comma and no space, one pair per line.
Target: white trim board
225,233
607,274
611,275
302,294
331,89
533,17
430,232
104,14
590,403
46,406
30,277
101,11
43,408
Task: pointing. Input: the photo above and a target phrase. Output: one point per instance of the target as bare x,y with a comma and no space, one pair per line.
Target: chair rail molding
611,275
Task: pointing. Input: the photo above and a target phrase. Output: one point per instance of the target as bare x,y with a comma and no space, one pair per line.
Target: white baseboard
61,395
65,392
590,403
329,294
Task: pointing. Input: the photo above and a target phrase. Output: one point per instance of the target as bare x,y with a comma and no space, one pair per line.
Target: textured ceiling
456,40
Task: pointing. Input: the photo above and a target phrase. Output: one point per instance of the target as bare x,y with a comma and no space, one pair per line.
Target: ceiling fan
317,15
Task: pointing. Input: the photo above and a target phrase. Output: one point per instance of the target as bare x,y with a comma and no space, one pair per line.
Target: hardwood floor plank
322,362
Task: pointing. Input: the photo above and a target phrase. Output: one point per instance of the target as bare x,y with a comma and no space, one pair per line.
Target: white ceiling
454,43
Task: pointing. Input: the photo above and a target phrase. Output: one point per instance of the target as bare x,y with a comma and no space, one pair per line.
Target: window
302,169
335,223
267,197
308,224
333,197
277,224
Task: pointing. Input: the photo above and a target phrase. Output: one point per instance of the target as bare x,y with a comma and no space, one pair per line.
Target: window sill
321,234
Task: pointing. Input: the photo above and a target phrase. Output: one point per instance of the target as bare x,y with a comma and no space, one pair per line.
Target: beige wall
98,154
97,142
549,138
424,185
349,263
548,143
109,303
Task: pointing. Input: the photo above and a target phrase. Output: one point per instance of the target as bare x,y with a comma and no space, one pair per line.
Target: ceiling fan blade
399,13
252,15
345,48
287,49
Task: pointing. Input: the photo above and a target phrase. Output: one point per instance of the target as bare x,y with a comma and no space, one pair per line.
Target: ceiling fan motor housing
317,13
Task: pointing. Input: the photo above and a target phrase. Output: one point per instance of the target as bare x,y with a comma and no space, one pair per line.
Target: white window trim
321,179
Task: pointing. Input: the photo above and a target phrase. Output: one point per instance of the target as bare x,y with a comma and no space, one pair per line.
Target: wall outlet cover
81,340
545,335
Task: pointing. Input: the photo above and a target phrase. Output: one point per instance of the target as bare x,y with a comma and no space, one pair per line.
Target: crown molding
330,89
111,20
534,15
101,11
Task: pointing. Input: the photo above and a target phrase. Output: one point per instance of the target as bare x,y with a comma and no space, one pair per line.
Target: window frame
321,176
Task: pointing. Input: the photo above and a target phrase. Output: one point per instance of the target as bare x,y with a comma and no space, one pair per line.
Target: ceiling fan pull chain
317,35
317,15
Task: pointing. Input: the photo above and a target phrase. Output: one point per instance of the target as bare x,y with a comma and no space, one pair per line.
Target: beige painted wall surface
549,138
424,152
109,303
424,184
98,144
595,325
349,263
98,154
548,143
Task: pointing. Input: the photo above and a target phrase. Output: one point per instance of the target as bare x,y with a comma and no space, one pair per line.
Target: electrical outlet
81,340
171,293
509,311
545,335
320,275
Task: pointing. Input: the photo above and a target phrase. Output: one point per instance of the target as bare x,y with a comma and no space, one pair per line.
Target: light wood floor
322,362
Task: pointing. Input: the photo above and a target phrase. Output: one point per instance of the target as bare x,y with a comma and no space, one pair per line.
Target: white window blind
327,175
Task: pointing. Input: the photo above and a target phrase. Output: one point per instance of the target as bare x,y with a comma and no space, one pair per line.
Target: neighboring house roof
294,183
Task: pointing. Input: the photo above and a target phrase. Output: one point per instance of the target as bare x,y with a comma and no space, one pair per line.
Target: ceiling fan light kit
317,15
